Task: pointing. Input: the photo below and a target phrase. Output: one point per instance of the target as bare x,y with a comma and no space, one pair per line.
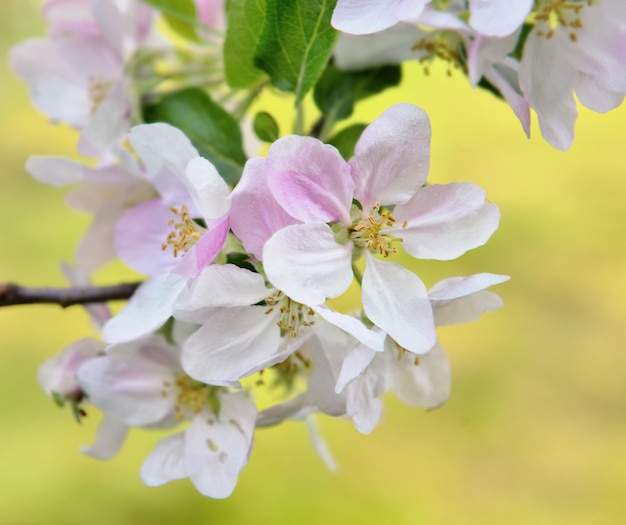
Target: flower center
98,91
368,233
442,45
563,13
292,315
403,351
185,234
191,395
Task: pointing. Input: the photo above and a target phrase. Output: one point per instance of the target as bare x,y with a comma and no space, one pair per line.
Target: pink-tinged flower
313,183
57,375
77,74
106,191
585,53
141,384
163,237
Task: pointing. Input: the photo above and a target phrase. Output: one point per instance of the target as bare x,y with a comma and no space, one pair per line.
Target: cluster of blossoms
535,54
239,276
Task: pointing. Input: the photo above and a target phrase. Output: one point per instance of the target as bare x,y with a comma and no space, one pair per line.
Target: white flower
583,53
141,384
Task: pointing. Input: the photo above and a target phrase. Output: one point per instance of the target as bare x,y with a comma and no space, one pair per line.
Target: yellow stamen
185,234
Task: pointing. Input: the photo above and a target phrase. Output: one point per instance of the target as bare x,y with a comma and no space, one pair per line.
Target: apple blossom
77,75
313,183
141,384
160,236
582,52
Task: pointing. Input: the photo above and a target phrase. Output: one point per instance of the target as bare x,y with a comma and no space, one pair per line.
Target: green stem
357,274
246,102
299,124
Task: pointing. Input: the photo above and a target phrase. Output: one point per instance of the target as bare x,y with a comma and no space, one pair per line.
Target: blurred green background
535,431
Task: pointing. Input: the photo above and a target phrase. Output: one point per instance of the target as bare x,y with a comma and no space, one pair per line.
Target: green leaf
265,127
244,22
213,131
337,91
182,28
346,139
181,9
296,43
180,15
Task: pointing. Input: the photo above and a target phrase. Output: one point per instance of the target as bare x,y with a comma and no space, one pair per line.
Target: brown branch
13,294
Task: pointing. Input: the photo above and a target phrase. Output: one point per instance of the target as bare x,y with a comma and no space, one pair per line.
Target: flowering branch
13,294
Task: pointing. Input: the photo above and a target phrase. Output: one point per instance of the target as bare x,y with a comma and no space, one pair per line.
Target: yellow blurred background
535,431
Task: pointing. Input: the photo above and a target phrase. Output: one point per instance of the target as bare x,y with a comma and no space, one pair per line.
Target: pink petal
255,215
392,157
309,179
139,235
445,221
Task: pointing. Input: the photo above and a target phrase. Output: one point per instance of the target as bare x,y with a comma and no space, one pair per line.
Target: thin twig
13,294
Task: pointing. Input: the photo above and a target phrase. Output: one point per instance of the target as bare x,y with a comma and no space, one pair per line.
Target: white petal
209,191
149,307
326,351
110,437
395,299
595,97
365,405
547,80
231,343
354,365
162,146
307,264
370,338
130,385
498,17
55,171
361,17
166,462
108,124
456,287
465,309
426,384
295,408
320,445
222,285
217,449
